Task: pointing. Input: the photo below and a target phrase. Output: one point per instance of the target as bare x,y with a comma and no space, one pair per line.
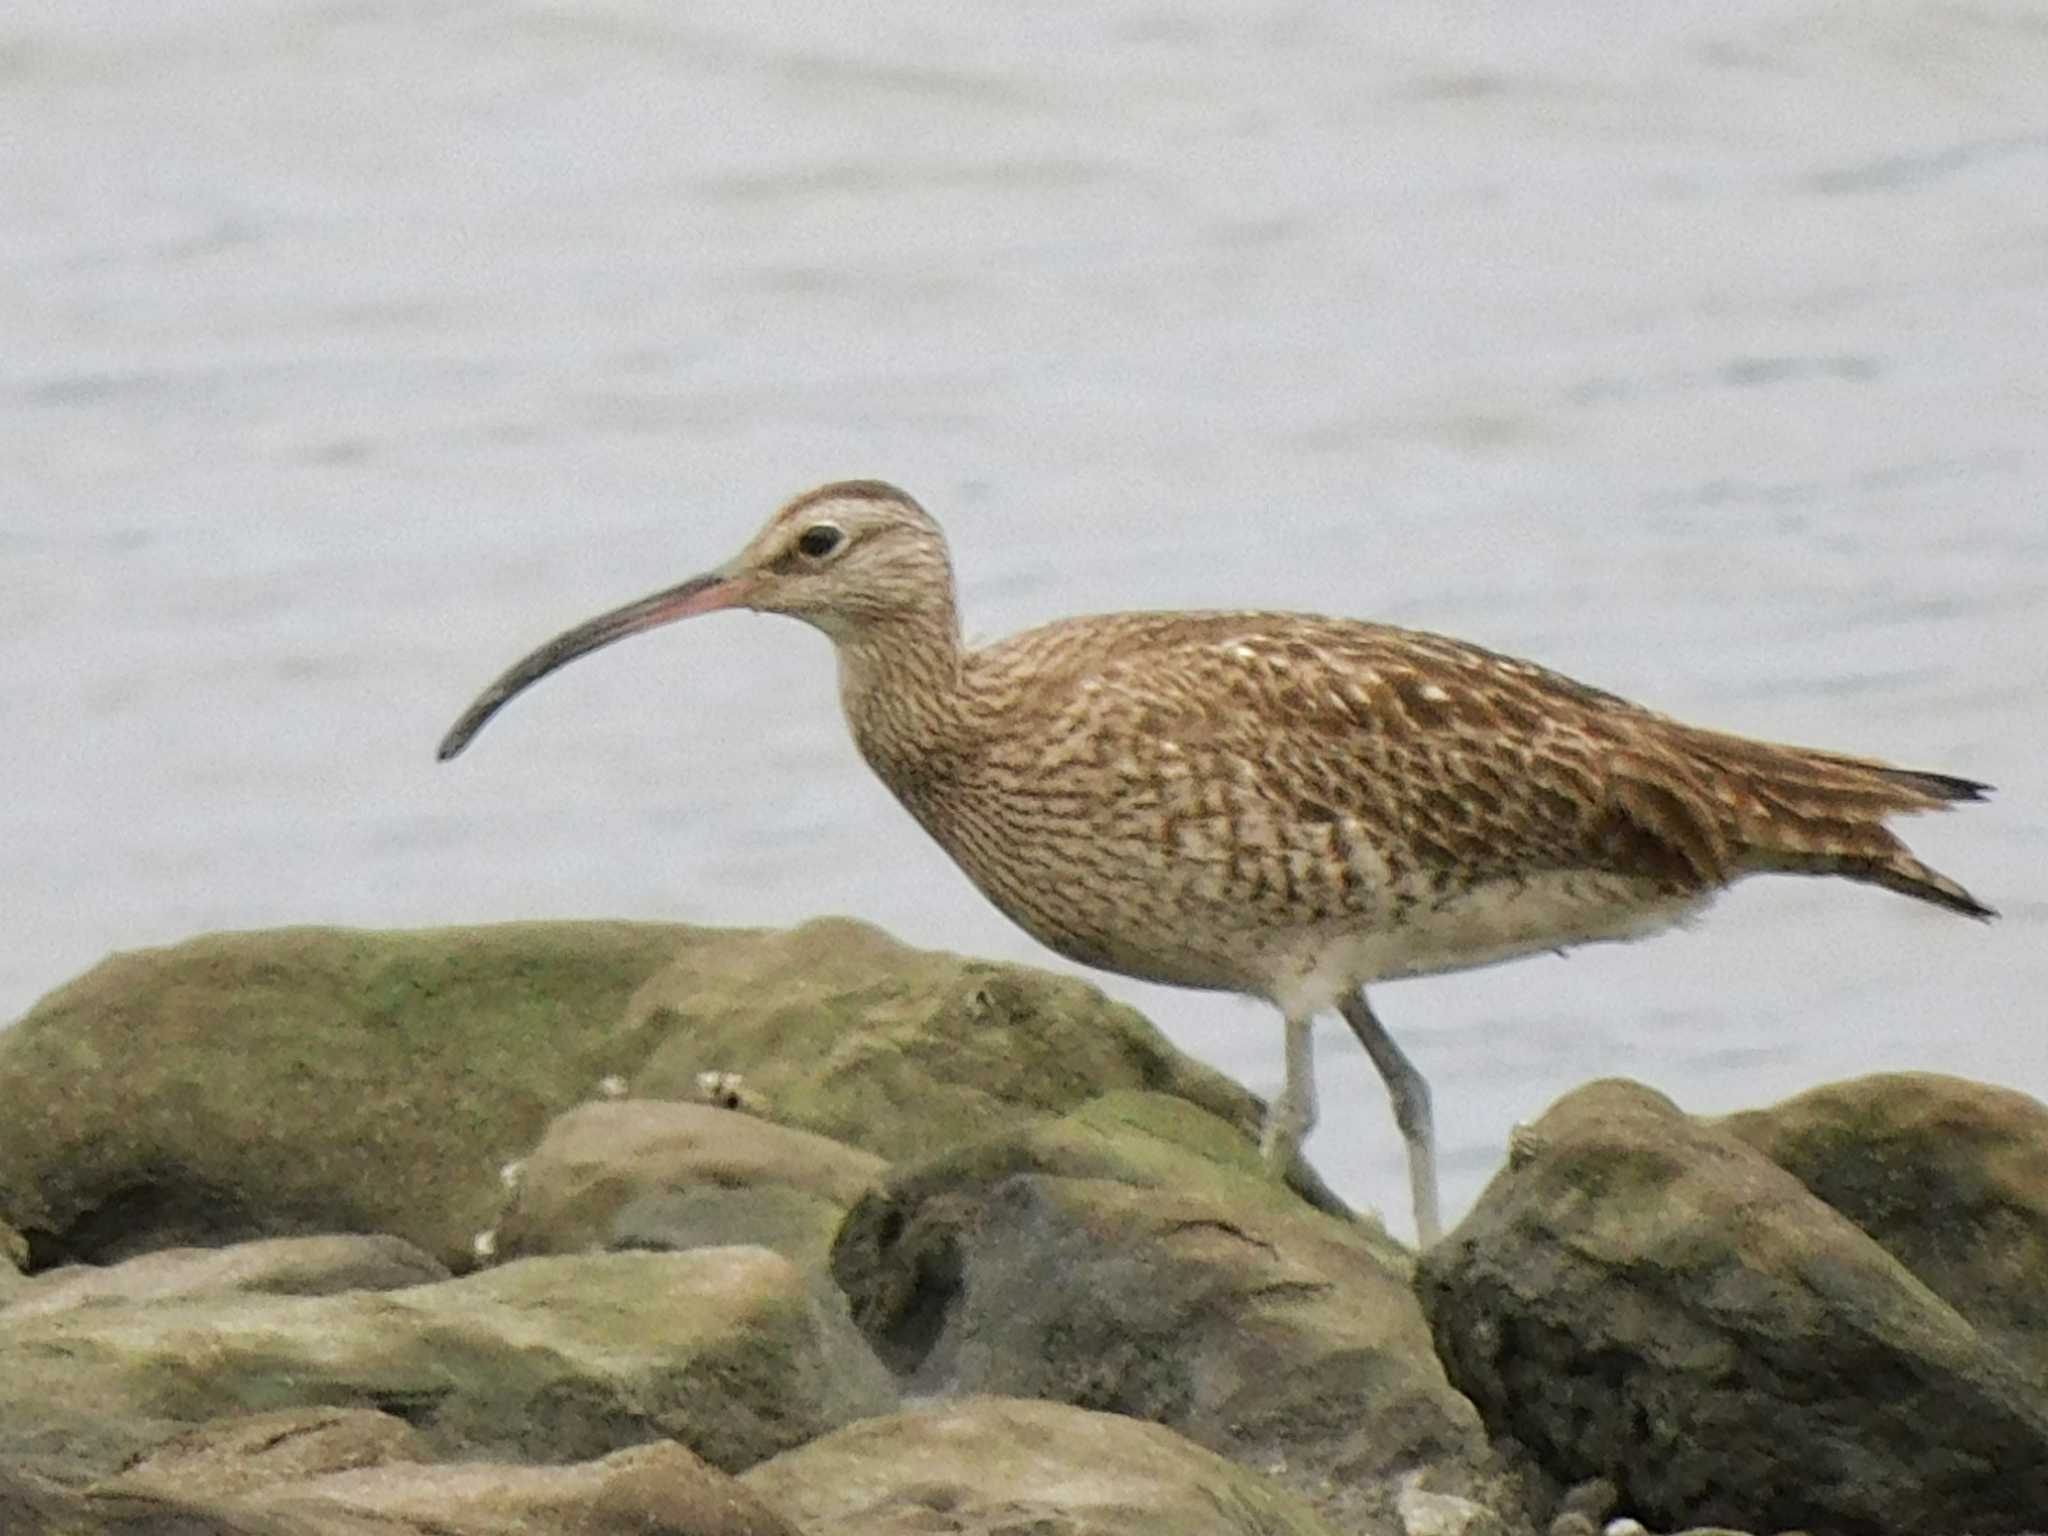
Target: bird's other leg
1292,1114
1410,1094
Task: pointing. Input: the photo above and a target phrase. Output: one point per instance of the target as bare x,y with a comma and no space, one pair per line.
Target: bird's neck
900,685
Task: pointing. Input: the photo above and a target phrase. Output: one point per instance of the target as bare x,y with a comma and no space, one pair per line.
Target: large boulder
327,1080
1132,1257
546,1359
1002,1467
278,1266
308,1080
1648,1298
837,1028
1948,1176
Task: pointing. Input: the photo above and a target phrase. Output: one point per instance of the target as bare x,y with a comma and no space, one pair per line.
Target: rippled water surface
351,348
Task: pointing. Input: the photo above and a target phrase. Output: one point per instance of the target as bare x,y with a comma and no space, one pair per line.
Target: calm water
348,349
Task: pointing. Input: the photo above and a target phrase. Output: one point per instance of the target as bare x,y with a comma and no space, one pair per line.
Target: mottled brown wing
1459,762
1450,760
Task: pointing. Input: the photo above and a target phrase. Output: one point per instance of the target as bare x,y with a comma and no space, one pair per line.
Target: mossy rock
1645,1297
307,1080
1950,1177
547,1359
1133,1257
837,1028
331,1080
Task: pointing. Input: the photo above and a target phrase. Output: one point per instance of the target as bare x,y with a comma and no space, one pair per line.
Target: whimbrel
1275,804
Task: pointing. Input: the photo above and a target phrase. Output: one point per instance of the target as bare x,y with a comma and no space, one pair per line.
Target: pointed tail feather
1899,871
1942,786
1793,811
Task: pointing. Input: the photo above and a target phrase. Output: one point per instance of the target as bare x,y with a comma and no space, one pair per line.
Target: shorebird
1276,804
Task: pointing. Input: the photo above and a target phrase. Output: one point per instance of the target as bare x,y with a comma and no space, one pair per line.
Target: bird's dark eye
819,540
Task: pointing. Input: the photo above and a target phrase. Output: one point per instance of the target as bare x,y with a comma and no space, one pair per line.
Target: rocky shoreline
594,1228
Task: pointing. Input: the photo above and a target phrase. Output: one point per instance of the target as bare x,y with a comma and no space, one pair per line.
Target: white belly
1500,921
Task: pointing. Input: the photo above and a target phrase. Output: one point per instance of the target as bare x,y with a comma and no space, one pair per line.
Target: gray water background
349,349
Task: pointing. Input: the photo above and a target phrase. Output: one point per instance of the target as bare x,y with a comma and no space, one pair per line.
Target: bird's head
849,558
844,558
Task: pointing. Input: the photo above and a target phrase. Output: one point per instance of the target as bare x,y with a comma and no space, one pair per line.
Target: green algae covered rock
326,1080
837,1028
307,1080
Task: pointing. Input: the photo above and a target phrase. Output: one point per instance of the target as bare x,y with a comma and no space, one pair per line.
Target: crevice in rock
142,1217
913,1331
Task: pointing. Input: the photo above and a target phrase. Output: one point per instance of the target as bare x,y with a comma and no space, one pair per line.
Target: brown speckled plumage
1282,805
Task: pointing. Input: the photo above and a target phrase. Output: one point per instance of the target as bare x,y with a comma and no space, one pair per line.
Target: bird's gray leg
1292,1114
1411,1110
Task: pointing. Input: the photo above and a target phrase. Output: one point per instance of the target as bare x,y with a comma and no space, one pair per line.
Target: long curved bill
700,594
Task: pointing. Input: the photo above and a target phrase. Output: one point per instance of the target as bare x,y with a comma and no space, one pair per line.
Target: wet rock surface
402,1234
